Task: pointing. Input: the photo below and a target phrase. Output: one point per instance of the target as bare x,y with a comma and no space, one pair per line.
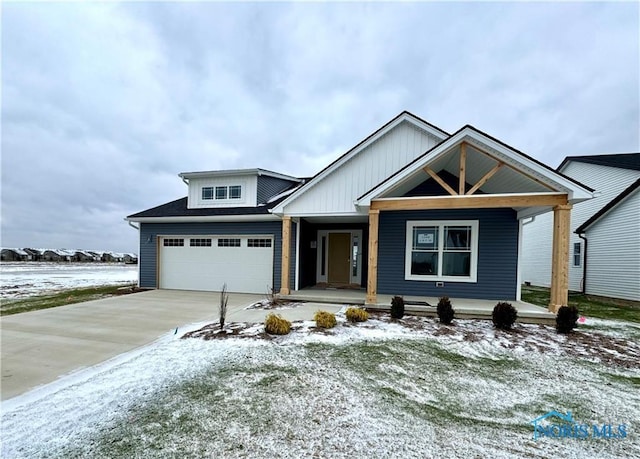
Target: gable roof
607,207
621,160
404,116
467,133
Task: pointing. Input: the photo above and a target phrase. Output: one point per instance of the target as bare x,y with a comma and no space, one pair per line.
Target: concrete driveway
40,346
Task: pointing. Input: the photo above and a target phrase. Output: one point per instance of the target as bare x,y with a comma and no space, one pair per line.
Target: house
83,255
130,258
410,210
58,255
35,254
604,247
14,255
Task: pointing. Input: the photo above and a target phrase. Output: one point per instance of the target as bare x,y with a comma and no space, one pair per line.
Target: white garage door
244,263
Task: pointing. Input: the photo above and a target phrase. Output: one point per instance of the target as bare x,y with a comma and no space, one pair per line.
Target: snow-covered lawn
377,389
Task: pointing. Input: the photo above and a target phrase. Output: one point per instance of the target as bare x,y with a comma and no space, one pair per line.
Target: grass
599,307
62,298
407,395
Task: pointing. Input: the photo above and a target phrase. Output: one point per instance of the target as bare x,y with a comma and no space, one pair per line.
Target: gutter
584,264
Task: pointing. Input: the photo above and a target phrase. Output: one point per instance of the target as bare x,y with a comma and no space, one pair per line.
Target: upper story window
221,193
442,250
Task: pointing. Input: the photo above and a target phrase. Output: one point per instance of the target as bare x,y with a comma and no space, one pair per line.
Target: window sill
467,280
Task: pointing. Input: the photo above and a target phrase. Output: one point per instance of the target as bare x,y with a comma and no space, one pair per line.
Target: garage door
244,263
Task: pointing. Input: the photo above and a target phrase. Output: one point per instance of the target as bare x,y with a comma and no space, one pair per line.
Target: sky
104,104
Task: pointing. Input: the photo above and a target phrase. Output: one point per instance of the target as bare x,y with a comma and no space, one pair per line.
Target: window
231,242
442,250
200,242
235,192
173,242
207,192
221,192
577,252
259,243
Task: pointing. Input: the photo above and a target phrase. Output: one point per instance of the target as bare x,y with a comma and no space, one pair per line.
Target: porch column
560,257
372,274
286,255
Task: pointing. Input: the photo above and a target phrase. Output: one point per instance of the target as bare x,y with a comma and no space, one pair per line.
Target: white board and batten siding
249,184
336,192
538,235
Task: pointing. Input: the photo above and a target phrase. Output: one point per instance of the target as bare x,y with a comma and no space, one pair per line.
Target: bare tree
222,309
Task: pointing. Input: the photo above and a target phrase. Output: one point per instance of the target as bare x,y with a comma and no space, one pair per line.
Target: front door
339,258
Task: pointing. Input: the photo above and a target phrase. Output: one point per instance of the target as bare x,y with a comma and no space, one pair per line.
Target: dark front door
339,259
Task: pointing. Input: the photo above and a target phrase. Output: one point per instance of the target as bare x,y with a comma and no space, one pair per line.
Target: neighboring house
130,258
410,210
58,255
605,240
35,254
82,255
14,255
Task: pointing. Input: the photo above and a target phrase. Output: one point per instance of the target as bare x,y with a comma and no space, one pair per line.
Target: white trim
519,264
473,275
497,195
207,218
325,233
576,193
237,172
327,214
405,116
297,270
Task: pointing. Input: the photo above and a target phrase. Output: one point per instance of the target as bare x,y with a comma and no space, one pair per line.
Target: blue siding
269,187
149,233
497,255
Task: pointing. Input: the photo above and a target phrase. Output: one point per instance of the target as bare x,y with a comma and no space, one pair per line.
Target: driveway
40,346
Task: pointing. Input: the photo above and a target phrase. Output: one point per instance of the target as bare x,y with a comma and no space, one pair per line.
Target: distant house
58,255
14,255
112,257
82,255
605,240
35,254
409,210
130,258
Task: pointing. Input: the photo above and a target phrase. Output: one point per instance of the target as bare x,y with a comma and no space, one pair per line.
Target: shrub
397,307
504,316
356,315
276,325
567,319
445,310
325,319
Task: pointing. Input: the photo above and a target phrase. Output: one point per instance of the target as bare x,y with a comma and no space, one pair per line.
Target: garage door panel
243,269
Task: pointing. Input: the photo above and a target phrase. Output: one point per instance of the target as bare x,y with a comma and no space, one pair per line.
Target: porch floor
465,308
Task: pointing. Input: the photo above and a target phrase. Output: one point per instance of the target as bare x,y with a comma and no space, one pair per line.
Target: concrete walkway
40,346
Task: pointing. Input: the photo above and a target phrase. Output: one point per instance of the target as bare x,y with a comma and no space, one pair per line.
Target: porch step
323,299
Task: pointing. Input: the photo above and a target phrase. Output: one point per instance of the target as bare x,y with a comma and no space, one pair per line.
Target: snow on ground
376,389
24,279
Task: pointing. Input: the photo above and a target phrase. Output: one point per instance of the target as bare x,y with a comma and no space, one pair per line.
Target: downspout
584,264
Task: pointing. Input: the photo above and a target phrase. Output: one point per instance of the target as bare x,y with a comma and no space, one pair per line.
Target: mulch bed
608,350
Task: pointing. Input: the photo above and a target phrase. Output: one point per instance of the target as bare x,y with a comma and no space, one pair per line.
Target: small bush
276,325
356,315
504,316
445,310
397,307
325,319
567,319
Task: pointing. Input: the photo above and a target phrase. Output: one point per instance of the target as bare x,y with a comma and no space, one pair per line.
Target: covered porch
465,308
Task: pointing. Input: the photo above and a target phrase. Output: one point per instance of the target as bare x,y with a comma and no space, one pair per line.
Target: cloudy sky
104,104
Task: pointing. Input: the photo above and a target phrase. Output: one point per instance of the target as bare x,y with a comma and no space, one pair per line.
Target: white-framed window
442,250
235,192
229,242
196,242
577,254
221,192
254,242
173,242
207,193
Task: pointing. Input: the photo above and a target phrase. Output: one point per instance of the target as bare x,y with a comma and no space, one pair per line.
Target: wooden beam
372,271
560,257
463,165
529,176
286,255
442,183
485,178
470,202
